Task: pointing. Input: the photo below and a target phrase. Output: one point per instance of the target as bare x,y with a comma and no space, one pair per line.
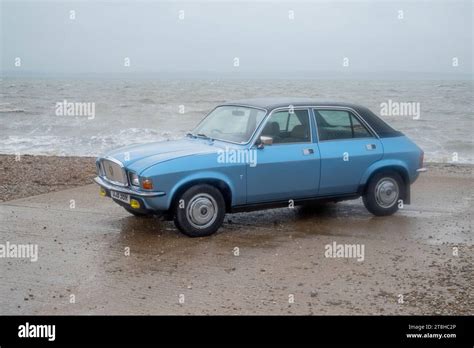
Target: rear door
347,149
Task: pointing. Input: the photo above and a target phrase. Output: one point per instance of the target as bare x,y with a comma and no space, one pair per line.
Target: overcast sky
370,34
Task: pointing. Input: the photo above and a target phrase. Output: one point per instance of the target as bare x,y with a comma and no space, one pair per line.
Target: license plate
120,196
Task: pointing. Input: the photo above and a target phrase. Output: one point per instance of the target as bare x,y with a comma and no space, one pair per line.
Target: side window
286,127
293,121
359,130
339,124
281,118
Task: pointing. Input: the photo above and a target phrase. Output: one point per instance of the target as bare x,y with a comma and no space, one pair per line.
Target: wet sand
281,257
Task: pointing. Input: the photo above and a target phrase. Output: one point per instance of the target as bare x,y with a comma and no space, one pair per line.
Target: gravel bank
34,175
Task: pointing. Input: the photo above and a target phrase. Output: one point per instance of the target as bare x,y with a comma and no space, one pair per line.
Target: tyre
383,193
199,211
134,212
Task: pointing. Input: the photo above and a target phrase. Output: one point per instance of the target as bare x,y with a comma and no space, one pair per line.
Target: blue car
263,153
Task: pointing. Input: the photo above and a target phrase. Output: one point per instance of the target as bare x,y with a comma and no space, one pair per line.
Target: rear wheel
199,211
383,193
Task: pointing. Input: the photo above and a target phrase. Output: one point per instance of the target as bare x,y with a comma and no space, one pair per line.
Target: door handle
370,146
308,152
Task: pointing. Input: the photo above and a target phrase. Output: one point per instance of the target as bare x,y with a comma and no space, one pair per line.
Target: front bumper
144,194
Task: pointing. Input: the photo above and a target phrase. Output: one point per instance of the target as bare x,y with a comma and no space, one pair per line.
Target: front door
289,168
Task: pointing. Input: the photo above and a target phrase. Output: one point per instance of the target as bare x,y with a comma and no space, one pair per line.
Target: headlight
134,179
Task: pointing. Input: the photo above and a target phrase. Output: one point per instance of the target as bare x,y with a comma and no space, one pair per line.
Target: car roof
376,123
273,103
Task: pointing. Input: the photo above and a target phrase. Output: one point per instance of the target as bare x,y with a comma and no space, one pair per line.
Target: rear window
378,125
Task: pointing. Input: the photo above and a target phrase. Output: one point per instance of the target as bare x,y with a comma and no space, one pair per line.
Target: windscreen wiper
204,136
199,135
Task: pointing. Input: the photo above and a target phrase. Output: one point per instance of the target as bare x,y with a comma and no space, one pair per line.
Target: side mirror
264,140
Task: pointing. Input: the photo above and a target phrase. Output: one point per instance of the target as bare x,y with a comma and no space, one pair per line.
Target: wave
146,101
11,110
81,146
103,142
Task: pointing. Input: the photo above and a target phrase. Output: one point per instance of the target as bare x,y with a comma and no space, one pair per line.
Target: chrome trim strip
116,183
422,170
101,182
114,160
98,165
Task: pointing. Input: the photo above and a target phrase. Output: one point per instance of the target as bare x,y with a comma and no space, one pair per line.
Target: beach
418,261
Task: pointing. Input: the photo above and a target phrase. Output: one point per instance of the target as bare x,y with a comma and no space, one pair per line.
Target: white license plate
120,196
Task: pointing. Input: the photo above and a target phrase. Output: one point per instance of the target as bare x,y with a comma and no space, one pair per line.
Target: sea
35,117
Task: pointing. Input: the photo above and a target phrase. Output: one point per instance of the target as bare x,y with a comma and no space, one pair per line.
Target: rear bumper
144,194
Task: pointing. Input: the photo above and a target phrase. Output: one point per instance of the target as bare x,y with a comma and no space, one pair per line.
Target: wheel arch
218,183
398,168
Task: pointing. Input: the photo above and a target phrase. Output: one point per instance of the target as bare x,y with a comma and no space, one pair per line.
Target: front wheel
383,193
199,211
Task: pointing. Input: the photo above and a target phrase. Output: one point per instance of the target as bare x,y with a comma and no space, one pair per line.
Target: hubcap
202,210
386,192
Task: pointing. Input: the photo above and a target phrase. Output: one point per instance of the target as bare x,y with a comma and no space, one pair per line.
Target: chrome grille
113,172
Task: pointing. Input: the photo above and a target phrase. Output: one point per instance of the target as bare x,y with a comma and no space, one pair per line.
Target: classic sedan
263,153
